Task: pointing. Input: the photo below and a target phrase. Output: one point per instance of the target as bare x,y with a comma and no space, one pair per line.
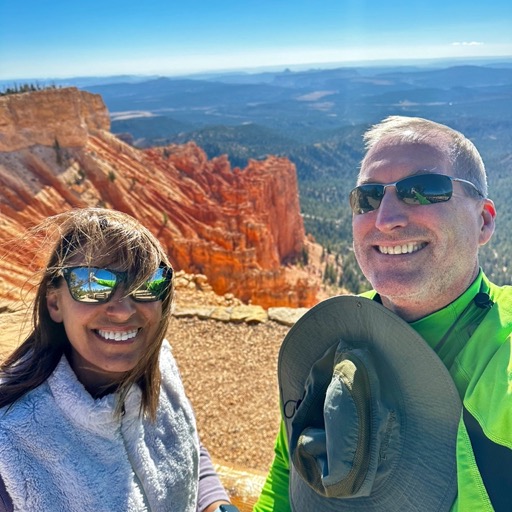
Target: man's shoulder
502,308
501,295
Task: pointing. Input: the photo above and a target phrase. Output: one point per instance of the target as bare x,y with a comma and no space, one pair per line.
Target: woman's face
107,339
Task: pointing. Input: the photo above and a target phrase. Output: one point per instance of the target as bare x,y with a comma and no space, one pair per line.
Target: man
420,214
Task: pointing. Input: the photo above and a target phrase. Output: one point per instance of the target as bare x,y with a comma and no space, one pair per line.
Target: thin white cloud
467,43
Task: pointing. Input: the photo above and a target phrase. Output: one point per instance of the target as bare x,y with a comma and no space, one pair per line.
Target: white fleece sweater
62,451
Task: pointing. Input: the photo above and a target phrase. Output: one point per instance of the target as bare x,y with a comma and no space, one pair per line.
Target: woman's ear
488,221
53,305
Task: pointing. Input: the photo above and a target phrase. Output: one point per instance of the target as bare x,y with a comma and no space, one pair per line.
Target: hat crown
338,442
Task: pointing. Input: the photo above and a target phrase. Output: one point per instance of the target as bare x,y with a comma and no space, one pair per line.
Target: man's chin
397,288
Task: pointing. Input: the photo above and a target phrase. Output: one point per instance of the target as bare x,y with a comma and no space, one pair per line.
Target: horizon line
307,66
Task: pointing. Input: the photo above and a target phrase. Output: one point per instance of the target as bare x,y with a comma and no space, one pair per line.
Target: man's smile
401,249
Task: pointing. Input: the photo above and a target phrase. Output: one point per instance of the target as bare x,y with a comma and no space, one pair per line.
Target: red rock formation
241,228
37,118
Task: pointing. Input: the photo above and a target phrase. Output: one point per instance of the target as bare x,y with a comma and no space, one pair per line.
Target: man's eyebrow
413,173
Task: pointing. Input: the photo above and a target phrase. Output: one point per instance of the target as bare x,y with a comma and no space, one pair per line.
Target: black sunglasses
94,285
419,189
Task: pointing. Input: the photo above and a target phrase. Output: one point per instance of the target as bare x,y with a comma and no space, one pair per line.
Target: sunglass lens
93,285
425,189
366,198
154,288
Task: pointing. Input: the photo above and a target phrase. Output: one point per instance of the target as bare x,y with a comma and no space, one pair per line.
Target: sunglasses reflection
95,285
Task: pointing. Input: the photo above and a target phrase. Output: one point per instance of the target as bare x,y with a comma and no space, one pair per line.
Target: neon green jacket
475,345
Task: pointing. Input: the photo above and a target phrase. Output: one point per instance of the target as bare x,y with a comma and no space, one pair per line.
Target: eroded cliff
241,228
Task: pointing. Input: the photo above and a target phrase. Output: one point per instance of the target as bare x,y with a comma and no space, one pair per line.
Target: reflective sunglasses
94,285
428,188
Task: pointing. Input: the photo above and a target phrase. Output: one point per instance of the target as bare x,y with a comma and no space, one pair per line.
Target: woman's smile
111,335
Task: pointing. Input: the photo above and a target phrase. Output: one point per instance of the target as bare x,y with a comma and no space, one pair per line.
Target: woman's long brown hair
96,237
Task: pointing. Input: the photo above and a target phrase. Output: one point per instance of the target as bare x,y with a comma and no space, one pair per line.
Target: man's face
418,257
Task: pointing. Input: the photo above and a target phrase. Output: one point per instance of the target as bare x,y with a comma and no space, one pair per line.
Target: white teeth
118,336
401,249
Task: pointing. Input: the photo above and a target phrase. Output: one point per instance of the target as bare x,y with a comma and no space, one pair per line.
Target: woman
93,414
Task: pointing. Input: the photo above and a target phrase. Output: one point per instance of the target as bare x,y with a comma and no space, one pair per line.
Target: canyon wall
242,228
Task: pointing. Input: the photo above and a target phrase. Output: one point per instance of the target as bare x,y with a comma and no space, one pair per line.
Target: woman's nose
120,306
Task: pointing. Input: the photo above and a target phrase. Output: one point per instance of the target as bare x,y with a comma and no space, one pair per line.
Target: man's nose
392,212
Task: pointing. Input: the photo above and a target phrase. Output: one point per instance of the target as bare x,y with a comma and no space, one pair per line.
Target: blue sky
42,39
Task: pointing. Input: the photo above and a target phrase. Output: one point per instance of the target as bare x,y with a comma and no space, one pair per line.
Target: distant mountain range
302,105
297,107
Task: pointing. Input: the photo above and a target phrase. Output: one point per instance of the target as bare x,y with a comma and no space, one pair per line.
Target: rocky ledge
195,298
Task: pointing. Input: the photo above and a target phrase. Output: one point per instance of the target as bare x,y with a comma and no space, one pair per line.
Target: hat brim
423,477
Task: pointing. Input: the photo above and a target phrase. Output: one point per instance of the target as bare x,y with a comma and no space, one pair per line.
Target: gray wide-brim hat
371,412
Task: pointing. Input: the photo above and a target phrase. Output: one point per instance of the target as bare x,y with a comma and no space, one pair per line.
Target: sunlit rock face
40,116
240,227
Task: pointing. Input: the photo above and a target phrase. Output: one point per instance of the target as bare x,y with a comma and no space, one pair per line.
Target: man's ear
53,305
488,221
